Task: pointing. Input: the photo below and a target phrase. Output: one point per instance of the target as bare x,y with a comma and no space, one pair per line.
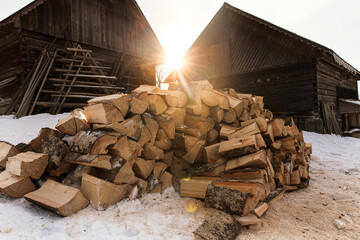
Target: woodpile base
216,145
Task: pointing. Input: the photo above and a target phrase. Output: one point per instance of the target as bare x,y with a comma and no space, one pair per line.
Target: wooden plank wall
329,77
289,90
108,24
10,60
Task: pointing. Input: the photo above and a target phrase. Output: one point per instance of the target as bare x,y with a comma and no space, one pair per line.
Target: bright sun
174,61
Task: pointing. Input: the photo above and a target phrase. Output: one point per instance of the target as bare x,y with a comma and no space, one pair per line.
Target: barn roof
290,37
36,3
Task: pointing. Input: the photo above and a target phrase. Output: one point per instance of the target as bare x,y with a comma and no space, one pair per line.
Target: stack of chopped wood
221,146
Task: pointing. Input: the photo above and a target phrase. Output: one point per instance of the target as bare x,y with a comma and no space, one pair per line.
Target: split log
308,149
200,110
151,124
287,179
125,175
220,226
249,219
174,98
217,114
295,177
101,193
268,136
230,116
138,103
275,146
260,121
152,152
145,136
193,188
131,127
275,195
225,131
28,164
237,105
212,135
43,133
182,129
62,199
168,158
120,101
92,142
167,124
146,88
210,153
249,130
288,144
259,190
73,123
6,150
214,98
156,104
162,140
143,168
278,127
260,141
15,186
56,150
261,209
255,110
194,152
250,175
257,160
238,147
103,113
203,124
232,93
184,142
166,181
159,169
74,177
210,170
109,175
99,161
126,149
178,114
268,114
245,115
229,200
279,179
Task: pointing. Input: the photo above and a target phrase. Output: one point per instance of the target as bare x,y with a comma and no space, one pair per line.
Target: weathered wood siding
329,79
109,24
10,58
288,90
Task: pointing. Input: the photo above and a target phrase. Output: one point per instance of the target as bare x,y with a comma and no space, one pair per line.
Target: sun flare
174,62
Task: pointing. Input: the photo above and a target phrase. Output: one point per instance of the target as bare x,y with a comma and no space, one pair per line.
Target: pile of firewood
216,145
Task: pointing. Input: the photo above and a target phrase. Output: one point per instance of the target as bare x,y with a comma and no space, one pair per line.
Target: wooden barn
55,45
296,76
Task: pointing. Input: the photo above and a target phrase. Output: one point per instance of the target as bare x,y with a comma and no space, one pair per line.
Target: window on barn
346,93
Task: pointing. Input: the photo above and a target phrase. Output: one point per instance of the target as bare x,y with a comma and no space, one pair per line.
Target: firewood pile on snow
217,145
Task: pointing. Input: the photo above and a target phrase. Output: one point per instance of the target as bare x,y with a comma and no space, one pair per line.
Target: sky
177,24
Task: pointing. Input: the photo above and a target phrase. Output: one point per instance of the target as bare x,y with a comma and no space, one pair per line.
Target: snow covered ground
167,217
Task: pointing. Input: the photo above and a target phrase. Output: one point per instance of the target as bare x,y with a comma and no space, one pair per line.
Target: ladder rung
90,86
91,76
69,81
84,66
72,96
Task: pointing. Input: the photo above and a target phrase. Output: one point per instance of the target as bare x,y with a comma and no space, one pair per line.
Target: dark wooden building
296,76
115,31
